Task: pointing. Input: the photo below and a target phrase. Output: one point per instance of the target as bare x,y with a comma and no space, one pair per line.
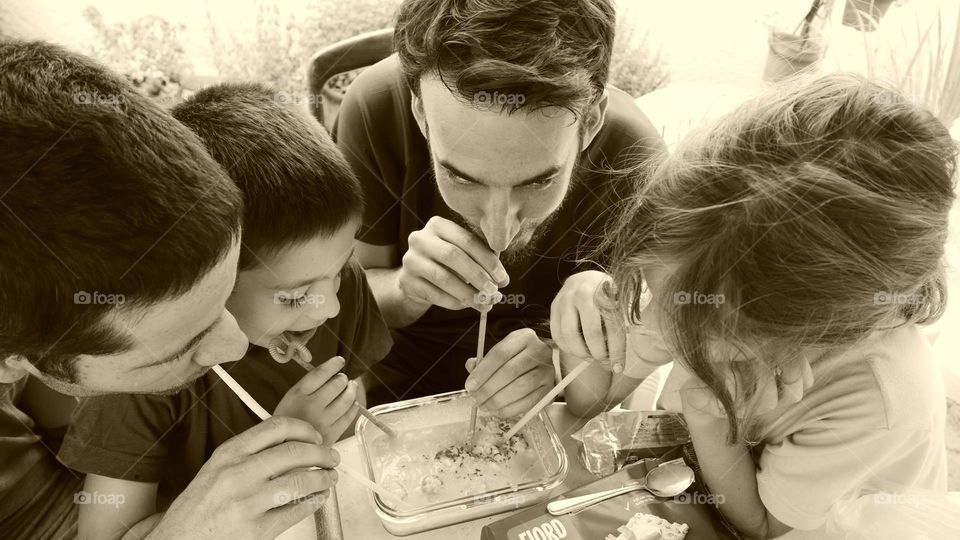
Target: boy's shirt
166,439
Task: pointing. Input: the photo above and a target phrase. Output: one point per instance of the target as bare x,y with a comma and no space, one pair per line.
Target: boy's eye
292,301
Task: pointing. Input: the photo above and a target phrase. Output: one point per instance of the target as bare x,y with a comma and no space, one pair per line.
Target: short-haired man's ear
12,369
416,107
593,119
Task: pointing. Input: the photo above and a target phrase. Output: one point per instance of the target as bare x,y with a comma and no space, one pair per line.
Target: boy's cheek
260,323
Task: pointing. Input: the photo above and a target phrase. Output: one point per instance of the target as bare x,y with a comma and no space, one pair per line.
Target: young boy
295,277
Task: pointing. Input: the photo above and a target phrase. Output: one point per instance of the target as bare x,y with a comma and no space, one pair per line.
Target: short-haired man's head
295,181
509,54
103,193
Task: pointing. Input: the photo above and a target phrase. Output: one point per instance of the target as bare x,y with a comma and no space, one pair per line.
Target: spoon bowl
667,480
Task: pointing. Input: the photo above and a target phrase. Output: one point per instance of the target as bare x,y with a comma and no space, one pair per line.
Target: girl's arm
110,507
598,389
728,470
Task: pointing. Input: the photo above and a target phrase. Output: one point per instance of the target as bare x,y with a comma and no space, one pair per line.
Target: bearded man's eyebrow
537,178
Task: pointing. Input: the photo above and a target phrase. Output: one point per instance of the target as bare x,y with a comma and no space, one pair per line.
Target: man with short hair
119,239
492,131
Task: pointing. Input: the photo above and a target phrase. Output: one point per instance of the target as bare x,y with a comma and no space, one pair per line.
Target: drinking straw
262,413
547,399
304,362
481,338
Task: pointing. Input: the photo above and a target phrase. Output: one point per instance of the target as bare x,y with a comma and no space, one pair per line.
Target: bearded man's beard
525,243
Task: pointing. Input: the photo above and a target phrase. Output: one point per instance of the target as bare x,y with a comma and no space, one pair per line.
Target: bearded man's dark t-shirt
380,139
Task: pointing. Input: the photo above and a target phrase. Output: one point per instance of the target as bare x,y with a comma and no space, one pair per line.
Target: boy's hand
325,398
580,328
256,485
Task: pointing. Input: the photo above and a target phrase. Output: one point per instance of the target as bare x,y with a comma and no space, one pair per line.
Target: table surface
359,520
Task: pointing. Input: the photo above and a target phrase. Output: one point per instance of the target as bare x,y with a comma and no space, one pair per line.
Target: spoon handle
574,504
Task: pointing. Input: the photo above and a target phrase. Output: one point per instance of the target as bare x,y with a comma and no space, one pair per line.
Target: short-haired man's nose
225,343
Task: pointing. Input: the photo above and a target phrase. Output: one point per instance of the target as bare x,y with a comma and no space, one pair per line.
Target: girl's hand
779,388
325,398
646,348
580,328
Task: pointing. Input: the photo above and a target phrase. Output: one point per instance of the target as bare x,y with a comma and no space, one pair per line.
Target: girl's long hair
814,216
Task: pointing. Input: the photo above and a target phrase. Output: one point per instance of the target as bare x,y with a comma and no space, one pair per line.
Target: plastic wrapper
614,439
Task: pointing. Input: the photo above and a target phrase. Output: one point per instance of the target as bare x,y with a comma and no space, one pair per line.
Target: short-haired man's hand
256,485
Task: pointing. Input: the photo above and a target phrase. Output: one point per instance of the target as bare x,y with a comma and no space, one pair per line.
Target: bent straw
262,413
547,399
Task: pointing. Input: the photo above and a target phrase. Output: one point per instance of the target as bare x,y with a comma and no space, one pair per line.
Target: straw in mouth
293,346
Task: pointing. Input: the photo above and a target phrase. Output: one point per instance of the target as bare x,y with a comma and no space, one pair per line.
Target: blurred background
686,62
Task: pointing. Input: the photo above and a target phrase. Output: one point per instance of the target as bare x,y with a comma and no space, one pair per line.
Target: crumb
431,484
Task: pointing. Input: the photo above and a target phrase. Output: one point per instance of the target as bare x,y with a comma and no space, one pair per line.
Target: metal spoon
667,480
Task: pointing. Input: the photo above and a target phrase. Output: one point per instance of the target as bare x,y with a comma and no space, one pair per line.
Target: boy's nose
327,306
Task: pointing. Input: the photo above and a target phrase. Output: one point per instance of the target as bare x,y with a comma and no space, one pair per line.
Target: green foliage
147,51
283,42
930,76
635,67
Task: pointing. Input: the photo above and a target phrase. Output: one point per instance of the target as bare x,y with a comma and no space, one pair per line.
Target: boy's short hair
294,179
527,54
101,192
